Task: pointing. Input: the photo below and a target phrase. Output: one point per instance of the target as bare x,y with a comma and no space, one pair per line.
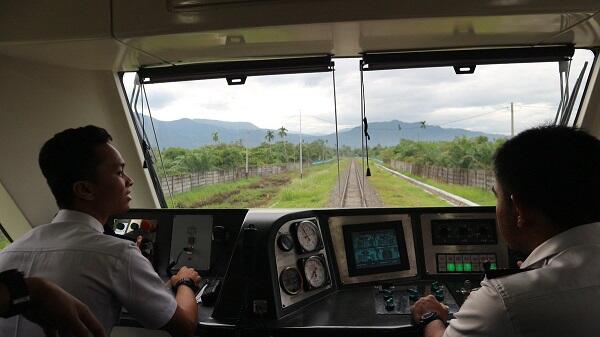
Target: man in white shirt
86,176
548,205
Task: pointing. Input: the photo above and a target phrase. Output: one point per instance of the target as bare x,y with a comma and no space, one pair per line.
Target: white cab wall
39,100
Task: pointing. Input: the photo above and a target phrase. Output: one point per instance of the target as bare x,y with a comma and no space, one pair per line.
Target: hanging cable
362,116
337,139
157,144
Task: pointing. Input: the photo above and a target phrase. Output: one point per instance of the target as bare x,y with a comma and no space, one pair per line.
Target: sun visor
464,61
236,72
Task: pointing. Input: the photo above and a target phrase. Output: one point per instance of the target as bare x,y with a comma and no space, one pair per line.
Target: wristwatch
17,291
186,281
429,317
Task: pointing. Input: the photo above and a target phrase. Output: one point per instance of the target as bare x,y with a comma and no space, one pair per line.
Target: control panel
397,299
301,260
459,243
131,229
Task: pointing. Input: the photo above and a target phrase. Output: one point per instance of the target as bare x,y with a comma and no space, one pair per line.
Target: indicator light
451,267
459,267
468,267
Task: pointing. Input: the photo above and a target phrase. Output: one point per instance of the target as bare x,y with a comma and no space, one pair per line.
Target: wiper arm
570,103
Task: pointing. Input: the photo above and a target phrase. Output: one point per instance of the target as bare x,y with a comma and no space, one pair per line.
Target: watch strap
428,318
186,281
19,299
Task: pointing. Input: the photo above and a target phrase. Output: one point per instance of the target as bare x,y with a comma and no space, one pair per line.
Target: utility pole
246,161
300,144
512,120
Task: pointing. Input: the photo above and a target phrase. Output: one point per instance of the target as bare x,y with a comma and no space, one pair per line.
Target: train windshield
392,138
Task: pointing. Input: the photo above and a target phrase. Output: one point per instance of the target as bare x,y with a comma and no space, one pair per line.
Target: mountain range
192,133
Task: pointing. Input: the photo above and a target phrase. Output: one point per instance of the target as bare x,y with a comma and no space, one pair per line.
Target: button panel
464,263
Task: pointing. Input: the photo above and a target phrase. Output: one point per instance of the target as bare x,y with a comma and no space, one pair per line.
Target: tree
215,137
269,137
282,132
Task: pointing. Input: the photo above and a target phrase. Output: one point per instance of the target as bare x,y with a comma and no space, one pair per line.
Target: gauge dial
315,272
285,242
308,235
290,280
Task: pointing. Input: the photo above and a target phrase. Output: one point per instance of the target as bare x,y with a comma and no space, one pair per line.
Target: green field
396,192
475,194
279,190
312,191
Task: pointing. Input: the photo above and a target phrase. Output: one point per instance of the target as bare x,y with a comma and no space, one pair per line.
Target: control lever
172,264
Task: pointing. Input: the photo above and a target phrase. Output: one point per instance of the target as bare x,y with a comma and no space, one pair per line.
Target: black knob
134,226
389,304
121,226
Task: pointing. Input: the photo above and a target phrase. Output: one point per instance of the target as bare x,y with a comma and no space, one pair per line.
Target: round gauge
290,280
314,272
285,242
308,235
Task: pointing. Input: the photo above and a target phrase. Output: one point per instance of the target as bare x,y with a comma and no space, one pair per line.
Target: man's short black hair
555,170
70,156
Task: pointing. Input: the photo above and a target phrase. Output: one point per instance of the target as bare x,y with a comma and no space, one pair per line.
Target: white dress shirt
559,297
102,271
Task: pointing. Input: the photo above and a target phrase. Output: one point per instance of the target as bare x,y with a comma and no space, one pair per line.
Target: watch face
427,315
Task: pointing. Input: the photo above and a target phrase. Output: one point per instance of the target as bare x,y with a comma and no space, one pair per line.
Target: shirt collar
578,235
68,215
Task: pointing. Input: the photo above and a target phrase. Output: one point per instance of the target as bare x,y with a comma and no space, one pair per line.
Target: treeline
178,160
462,152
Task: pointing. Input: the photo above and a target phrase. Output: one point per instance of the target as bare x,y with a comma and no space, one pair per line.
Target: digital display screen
375,248
463,232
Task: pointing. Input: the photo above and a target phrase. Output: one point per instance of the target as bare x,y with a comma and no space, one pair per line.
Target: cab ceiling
128,34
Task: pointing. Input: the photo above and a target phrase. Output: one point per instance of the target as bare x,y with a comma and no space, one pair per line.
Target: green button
459,267
450,267
468,267
493,266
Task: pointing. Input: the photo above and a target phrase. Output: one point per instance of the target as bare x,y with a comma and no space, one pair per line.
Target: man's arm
55,310
430,304
185,319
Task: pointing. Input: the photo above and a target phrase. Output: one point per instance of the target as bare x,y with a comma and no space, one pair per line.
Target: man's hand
186,272
59,313
428,304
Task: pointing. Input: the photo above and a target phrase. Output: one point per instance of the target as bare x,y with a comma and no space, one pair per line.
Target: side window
5,239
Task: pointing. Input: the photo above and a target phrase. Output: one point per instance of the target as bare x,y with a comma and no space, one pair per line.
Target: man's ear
523,213
83,190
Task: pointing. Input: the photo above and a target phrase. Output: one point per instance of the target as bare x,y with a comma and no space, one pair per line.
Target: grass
279,190
475,194
397,192
208,196
3,241
312,191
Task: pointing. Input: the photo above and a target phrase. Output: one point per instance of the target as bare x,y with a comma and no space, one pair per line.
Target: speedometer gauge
315,272
307,234
290,280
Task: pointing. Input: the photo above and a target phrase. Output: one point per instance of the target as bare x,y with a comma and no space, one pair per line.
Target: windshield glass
271,142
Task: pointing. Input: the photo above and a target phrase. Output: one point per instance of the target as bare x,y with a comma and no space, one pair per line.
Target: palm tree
282,132
215,137
269,137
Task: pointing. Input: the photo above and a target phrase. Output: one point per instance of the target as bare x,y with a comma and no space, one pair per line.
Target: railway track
353,193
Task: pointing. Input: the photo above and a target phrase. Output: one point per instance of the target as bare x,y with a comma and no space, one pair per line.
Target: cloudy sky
479,102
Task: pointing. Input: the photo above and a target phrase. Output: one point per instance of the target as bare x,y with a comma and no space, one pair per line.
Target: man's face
112,185
505,215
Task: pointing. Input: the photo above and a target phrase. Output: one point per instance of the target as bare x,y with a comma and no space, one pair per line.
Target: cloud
478,102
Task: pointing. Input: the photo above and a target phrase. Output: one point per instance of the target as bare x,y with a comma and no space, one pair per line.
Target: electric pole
300,144
512,120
